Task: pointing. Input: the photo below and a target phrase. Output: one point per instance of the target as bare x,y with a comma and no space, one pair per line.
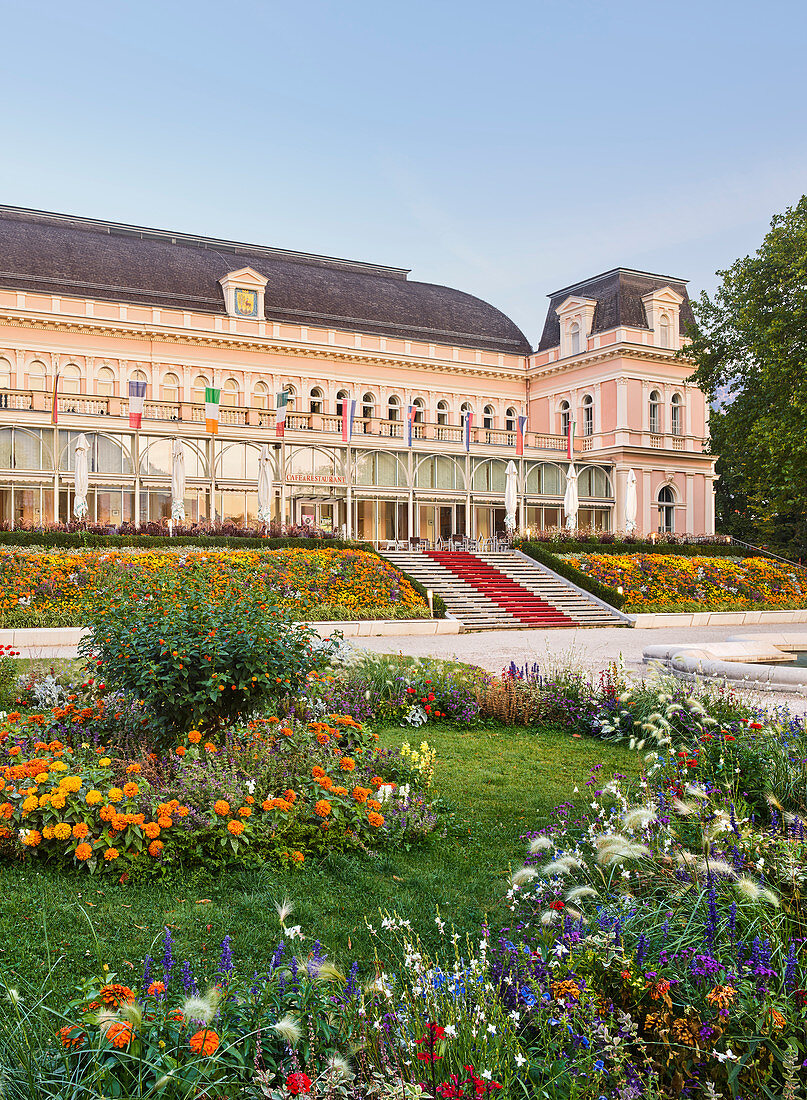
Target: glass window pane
27,450
5,448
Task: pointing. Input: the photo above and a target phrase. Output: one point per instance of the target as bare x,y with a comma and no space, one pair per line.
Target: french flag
137,397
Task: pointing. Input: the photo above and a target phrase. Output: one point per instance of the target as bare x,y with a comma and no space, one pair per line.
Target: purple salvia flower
168,957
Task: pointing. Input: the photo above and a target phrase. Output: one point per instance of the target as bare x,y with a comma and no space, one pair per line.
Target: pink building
102,305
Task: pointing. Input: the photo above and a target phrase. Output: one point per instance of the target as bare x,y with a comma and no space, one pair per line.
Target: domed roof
83,257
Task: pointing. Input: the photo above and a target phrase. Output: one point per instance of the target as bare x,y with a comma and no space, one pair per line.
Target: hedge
538,552
641,546
89,540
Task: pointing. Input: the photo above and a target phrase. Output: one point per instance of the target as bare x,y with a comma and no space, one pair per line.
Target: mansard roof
85,257
618,295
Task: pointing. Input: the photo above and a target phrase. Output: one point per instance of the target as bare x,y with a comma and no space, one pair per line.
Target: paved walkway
591,649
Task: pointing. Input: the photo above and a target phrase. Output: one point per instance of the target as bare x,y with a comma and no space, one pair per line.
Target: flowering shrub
8,678
671,582
198,653
62,587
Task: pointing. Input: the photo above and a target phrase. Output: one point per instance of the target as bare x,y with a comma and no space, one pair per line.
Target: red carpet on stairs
518,601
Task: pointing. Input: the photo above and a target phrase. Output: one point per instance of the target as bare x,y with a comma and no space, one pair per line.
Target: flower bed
59,588
668,582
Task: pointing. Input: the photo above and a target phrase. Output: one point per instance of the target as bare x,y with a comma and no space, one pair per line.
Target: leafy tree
750,347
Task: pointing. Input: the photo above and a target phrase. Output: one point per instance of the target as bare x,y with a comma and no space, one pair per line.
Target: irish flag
212,396
280,416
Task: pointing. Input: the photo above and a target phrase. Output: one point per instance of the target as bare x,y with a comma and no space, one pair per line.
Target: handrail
761,550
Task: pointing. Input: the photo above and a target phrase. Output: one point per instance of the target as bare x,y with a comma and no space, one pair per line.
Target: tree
750,348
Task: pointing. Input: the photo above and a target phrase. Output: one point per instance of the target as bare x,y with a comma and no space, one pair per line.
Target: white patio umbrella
82,478
570,499
510,496
177,483
631,503
264,486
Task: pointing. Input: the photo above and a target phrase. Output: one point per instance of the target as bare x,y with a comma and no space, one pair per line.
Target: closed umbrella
631,503
510,496
570,499
177,483
264,486
82,478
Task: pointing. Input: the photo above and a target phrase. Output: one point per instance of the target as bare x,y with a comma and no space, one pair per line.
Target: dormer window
576,316
244,294
662,308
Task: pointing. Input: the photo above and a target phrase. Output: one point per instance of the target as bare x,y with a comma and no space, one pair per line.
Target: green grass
494,785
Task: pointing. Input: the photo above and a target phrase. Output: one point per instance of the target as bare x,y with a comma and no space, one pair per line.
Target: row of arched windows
657,413
587,405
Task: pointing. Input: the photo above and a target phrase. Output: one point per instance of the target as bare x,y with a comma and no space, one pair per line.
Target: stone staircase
501,591
580,607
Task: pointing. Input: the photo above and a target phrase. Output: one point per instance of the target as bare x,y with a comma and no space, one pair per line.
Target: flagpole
55,419
349,464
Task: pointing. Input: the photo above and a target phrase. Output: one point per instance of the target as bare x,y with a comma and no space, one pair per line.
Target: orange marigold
235,827
133,769
317,772
110,854
151,829
156,988
221,807
376,820
32,838
62,831
245,811
346,764
115,794
194,737
204,1042
165,822
131,790
289,795
80,831
83,852
322,808
361,794
342,791
323,738
376,781
116,995
155,848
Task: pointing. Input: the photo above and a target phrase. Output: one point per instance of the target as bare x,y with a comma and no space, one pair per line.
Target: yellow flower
92,798
63,831
30,804
58,801
71,783
59,766
115,794
42,778
104,761
47,832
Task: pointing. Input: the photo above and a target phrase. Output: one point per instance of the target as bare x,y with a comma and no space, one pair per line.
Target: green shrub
199,655
8,677
538,552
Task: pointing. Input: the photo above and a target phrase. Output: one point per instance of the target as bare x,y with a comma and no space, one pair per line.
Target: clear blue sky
505,148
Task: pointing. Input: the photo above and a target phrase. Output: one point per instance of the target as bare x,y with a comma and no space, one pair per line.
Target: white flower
451,1031
520,1059
491,1029
294,933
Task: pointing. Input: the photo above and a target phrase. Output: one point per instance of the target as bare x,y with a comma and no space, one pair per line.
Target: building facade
102,304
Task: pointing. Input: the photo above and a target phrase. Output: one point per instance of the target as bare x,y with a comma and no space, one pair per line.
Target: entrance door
446,512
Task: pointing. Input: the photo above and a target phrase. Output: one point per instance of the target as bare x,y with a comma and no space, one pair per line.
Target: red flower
297,1083
755,725
557,905
729,738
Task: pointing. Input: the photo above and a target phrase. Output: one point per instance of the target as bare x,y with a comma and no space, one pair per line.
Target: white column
690,504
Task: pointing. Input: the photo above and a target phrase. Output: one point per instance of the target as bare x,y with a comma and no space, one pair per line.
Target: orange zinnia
204,1042
83,852
120,1035
322,808
221,807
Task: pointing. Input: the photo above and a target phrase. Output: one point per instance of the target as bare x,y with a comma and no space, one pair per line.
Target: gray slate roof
618,294
83,257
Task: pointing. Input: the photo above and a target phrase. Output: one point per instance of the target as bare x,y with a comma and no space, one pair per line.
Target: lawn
493,785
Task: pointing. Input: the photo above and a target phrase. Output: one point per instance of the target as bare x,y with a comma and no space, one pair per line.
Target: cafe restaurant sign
316,479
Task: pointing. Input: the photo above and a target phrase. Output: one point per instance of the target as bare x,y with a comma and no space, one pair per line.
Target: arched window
442,412
291,397
5,374
574,338
170,389
420,408
230,394
341,397
393,408
664,331
675,414
36,375
70,379
260,395
368,406
666,510
588,415
510,420
565,417
105,382
655,412
466,407
488,416
316,400
200,384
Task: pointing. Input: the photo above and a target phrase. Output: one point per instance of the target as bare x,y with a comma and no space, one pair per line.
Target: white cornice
601,355
259,345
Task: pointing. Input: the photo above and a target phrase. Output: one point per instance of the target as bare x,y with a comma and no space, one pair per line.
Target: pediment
574,302
665,296
244,276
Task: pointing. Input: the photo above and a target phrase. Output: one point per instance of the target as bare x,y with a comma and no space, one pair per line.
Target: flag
280,415
137,396
467,419
212,396
521,424
54,414
348,412
411,413
570,440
